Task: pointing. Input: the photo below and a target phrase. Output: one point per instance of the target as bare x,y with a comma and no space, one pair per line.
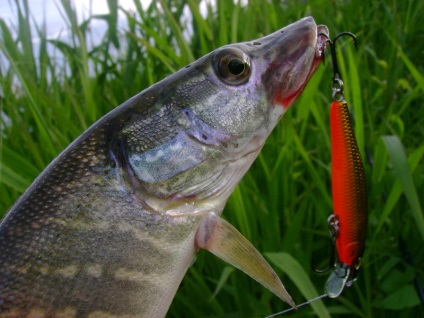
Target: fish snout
292,56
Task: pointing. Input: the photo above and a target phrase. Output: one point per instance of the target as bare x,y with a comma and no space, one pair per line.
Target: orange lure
349,220
348,187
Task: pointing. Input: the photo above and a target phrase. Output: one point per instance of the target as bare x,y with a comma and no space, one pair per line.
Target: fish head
243,89
218,111
258,79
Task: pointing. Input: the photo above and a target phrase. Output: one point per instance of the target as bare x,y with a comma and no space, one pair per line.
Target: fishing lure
347,224
349,220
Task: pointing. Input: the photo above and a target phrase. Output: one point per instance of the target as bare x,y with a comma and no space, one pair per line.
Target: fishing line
301,305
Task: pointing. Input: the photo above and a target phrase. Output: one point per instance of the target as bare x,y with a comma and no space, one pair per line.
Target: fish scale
45,259
111,226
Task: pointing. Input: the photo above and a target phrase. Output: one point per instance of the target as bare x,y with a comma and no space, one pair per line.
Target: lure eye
232,66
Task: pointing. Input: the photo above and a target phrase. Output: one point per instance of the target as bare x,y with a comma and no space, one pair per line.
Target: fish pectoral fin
222,239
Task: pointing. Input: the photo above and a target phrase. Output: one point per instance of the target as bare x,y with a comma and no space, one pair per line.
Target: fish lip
309,53
322,36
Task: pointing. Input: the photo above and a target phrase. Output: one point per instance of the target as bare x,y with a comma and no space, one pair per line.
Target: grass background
283,202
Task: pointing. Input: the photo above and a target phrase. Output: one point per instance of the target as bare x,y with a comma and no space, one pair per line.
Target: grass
283,202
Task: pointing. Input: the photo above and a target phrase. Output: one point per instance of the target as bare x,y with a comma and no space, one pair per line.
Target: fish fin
337,280
223,240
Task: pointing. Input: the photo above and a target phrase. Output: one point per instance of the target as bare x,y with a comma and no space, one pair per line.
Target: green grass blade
297,274
401,170
418,76
237,204
355,88
155,52
12,178
14,56
186,53
311,168
226,272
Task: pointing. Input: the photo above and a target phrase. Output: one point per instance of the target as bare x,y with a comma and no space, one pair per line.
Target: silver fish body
112,224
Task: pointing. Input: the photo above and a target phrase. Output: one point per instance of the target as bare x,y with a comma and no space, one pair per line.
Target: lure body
348,186
349,196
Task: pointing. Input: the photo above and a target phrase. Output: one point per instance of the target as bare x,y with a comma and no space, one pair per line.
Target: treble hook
337,84
333,226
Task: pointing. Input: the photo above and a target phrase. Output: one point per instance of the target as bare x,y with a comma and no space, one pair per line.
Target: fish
350,201
111,226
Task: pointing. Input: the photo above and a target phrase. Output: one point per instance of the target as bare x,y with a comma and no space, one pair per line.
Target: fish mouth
322,35
301,49
320,44
322,38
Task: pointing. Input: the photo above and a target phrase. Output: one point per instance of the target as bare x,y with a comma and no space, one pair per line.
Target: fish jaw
297,54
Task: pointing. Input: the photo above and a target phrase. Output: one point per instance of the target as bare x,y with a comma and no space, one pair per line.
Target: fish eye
232,66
